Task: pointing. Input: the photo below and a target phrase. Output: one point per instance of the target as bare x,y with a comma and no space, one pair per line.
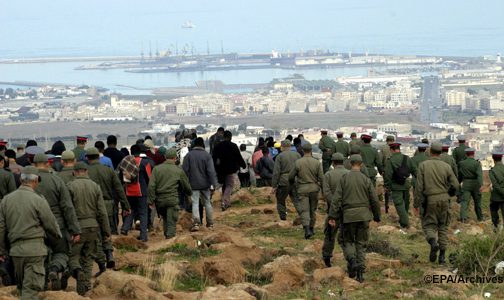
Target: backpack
402,173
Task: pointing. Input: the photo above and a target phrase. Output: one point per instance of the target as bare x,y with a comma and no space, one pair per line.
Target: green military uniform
342,147
459,153
56,193
471,176
436,182
7,183
90,208
399,191
451,161
110,185
284,162
497,195
78,152
355,149
371,160
417,159
163,190
25,220
328,147
308,173
66,174
356,197
331,182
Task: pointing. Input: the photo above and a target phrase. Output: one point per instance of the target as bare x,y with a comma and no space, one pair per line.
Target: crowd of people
60,207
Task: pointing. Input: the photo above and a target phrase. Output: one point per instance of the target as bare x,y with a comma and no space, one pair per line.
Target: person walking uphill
227,160
471,176
284,163
331,181
370,157
310,178
90,208
199,168
398,168
328,146
163,191
435,184
26,235
497,195
356,198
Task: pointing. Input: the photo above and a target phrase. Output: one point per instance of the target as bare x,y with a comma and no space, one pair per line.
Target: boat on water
188,25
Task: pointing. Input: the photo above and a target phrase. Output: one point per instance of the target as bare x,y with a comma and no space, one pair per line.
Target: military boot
110,259
101,269
64,279
352,268
82,287
307,233
6,277
312,230
434,249
54,279
360,275
327,261
442,259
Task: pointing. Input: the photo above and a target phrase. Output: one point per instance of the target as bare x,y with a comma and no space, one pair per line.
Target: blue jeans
205,197
138,211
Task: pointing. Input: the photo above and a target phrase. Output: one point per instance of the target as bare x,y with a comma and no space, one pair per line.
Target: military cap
30,170
3,142
149,144
395,145
277,145
390,138
80,166
422,145
286,143
40,158
436,147
461,137
469,150
67,155
339,134
171,153
497,154
82,139
366,137
338,156
92,151
353,134
355,158
32,150
323,131
307,147
355,149
162,150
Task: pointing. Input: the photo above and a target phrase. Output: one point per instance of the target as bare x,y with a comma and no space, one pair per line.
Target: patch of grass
479,254
183,252
126,248
190,282
129,270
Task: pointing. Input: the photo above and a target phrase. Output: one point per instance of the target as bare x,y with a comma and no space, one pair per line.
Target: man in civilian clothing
199,168
264,167
136,193
244,174
215,139
104,160
227,160
112,152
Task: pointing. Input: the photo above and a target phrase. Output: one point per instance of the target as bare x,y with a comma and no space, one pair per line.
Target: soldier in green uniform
356,197
68,162
459,152
7,180
110,185
284,162
79,150
436,183
370,157
419,158
342,146
397,170
25,220
427,149
354,140
90,208
56,193
328,147
310,178
355,149
163,191
497,195
384,152
448,159
471,176
331,181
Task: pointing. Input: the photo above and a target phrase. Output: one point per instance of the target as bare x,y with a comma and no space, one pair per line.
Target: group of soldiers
55,224
347,178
